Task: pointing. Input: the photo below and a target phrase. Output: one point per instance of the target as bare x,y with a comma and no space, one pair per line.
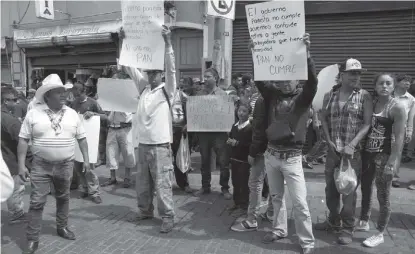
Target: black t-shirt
86,105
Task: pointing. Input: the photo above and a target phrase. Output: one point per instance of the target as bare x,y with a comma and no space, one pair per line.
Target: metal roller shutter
382,41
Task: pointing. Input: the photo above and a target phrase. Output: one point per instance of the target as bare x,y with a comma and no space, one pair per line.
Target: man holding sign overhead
281,56
154,121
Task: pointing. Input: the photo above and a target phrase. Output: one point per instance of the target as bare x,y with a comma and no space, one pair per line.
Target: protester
215,141
346,118
402,94
179,131
30,94
381,156
119,130
87,107
256,180
285,142
236,83
240,139
53,129
155,135
10,127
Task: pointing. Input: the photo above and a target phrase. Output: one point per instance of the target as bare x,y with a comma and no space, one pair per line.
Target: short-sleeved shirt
46,143
408,100
82,106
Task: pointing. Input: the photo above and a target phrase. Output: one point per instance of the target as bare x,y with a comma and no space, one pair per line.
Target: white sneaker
362,226
374,241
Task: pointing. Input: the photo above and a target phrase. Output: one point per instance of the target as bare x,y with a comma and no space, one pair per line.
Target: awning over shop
76,34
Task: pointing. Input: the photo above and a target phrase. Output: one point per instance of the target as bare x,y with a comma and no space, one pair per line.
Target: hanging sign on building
221,8
44,9
277,28
143,45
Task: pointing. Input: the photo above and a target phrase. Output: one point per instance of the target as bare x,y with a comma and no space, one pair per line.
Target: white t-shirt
6,181
46,143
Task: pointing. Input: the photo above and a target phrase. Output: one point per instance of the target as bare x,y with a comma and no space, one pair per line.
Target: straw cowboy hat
50,82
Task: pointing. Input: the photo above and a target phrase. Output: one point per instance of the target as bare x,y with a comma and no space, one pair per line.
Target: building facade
379,34
83,38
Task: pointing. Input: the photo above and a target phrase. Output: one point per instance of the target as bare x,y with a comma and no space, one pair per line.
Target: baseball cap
351,64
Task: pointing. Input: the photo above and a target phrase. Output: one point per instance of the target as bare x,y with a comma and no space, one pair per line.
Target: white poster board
117,95
326,80
92,126
210,113
277,28
221,8
143,45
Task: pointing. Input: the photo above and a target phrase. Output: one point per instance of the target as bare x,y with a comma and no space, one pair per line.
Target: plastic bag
183,155
345,178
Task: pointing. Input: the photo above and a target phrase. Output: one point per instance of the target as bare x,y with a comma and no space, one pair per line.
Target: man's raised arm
170,74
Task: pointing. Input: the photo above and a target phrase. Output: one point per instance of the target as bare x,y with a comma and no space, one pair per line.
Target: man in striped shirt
53,128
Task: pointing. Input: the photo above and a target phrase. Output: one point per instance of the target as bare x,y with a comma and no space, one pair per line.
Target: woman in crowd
381,155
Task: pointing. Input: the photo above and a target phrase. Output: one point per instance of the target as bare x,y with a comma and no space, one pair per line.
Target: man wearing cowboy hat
53,128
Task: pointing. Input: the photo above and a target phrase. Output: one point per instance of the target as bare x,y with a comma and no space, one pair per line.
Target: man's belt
283,155
120,126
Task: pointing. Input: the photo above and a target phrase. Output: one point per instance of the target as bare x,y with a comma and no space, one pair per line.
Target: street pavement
202,224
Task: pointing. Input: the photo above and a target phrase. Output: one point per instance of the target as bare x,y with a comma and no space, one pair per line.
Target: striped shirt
46,143
345,121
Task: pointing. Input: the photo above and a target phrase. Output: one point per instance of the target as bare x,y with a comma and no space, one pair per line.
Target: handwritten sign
117,95
91,126
143,45
210,113
277,29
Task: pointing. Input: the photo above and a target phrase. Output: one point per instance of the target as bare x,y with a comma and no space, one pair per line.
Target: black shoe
109,182
32,246
396,184
66,233
127,183
83,195
97,200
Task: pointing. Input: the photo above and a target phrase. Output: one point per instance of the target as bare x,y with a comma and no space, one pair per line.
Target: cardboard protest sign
210,113
143,45
91,126
277,28
117,95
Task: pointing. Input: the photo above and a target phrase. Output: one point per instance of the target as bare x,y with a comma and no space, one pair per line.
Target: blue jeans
15,203
154,174
42,175
217,141
347,213
290,170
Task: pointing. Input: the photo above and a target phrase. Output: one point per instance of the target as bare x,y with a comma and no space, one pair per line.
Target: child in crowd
240,139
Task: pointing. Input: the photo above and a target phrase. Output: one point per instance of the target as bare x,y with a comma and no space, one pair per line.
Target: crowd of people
263,153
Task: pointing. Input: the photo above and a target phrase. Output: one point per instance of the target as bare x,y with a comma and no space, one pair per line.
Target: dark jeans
265,189
373,168
217,141
43,174
347,213
240,178
181,178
